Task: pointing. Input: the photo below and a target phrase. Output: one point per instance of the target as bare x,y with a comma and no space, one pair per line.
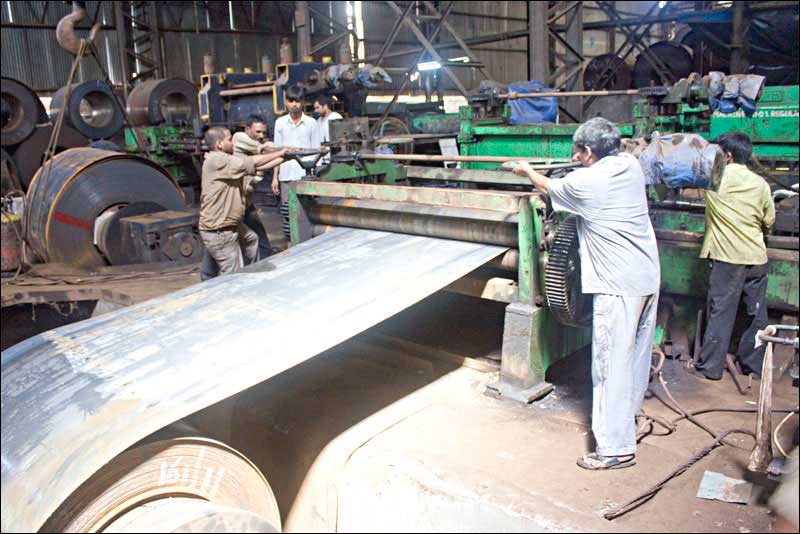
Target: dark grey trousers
252,220
730,282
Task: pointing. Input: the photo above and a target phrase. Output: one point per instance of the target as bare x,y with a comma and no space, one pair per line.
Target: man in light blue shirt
620,266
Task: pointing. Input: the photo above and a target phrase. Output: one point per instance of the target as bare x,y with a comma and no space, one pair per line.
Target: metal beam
538,42
429,47
484,39
660,68
302,25
393,34
452,31
739,49
574,43
403,85
332,39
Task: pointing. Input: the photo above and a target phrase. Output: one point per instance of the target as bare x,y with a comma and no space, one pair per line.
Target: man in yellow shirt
738,217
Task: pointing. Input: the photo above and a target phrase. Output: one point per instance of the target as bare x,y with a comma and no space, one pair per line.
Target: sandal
595,462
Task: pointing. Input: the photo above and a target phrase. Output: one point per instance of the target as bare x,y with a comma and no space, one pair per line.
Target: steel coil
92,109
70,192
156,102
20,111
29,155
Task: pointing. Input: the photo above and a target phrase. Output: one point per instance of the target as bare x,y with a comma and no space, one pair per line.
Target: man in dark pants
738,217
251,142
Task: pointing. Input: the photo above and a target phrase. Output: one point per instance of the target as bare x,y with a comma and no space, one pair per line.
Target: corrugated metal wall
33,56
506,60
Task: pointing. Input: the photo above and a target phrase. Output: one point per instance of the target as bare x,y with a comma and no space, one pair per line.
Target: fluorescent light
661,4
462,59
429,65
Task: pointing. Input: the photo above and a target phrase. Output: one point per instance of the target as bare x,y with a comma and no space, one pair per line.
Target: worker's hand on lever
523,168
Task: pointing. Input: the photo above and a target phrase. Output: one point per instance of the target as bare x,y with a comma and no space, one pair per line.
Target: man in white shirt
298,131
620,266
322,108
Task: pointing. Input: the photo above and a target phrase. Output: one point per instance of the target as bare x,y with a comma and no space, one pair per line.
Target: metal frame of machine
533,339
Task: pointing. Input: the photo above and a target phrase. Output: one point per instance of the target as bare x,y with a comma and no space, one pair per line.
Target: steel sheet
75,397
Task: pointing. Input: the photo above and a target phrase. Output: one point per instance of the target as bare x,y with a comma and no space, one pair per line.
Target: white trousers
622,343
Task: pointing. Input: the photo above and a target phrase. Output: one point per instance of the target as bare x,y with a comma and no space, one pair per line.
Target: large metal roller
155,102
92,109
676,58
29,155
461,229
607,71
75,198
164,485
20,111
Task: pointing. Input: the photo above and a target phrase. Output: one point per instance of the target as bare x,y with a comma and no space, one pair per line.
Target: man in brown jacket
222,200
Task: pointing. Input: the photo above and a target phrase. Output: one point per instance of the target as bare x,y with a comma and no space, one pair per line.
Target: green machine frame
532,340
773,128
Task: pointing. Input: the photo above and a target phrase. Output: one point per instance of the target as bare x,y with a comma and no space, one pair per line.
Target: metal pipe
473,159
488,232
514,96
247,91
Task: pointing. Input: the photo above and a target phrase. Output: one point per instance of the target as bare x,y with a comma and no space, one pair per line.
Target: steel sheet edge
75,397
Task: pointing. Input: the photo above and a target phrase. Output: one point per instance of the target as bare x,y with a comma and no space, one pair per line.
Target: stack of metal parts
90,108
26,132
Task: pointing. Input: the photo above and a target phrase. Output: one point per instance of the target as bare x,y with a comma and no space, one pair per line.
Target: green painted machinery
536,333
448,204
679,221
176,148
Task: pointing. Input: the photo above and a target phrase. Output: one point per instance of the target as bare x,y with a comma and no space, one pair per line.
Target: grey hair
599,134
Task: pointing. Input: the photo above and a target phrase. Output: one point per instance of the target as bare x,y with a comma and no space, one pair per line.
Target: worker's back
737,217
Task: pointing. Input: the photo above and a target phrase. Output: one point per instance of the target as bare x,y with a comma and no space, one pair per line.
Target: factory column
538,42
303,25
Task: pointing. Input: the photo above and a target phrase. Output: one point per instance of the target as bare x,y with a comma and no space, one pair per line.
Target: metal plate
75,397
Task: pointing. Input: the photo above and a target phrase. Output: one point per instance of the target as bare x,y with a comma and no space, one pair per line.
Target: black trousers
730,282
252,220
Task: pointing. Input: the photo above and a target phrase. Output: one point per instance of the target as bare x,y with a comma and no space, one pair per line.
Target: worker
250,142
324,113
739,215
295,130
222,198
620,267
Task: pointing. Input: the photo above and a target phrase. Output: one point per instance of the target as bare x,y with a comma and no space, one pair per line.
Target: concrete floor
367,438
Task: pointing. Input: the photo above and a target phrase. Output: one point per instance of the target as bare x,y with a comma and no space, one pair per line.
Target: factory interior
400,266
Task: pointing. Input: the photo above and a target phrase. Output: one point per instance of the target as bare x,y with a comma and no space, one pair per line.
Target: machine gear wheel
563,278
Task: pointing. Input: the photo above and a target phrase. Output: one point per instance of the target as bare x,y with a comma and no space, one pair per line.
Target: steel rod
473,159
514,96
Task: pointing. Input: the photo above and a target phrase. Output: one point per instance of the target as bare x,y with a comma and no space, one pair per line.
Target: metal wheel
168,485
563,278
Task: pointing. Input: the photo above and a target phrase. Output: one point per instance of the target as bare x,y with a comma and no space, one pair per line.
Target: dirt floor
372,437
392,431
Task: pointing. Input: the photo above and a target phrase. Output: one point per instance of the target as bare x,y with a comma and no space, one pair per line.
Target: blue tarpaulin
532,110
682,160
